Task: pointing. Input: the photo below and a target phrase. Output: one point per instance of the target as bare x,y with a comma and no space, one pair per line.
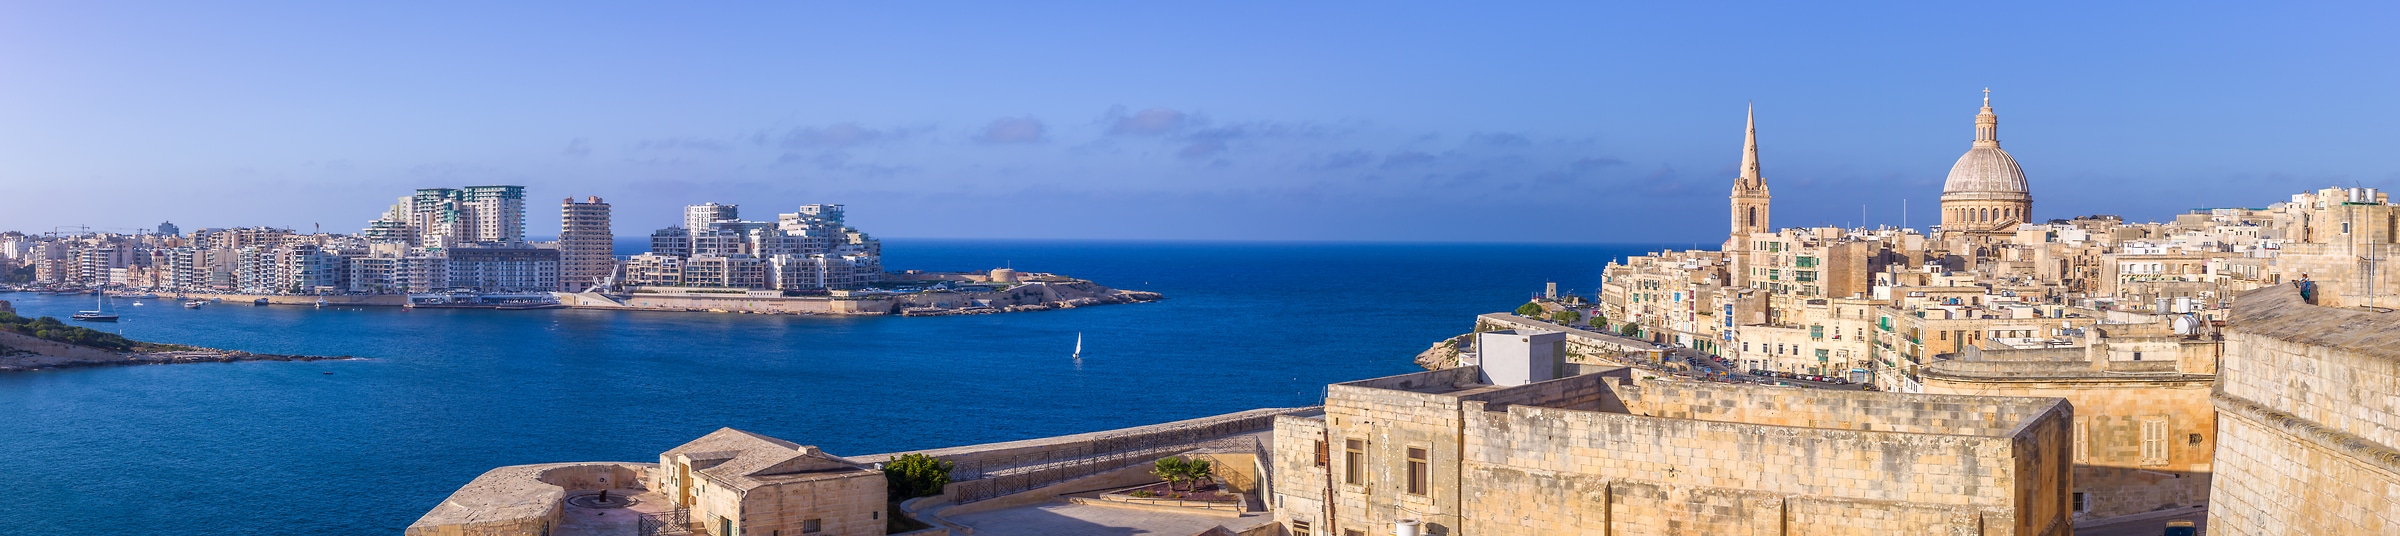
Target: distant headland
466,248
28,344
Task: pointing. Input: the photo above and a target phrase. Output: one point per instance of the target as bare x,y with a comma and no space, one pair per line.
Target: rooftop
745,460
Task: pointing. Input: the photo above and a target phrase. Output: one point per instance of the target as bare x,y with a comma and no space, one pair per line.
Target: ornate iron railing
677,521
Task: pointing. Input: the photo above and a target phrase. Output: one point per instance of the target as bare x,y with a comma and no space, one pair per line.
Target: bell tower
1749,198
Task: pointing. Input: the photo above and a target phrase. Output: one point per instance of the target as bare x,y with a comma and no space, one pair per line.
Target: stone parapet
2309,405
523,499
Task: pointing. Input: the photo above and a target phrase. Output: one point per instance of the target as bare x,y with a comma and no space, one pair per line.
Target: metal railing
677,521
988,478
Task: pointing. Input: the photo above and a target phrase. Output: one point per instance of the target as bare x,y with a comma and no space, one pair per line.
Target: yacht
99,312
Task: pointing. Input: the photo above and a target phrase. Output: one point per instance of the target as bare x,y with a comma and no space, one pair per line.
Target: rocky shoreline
21,353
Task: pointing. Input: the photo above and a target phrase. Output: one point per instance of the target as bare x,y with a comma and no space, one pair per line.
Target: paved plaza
1065,519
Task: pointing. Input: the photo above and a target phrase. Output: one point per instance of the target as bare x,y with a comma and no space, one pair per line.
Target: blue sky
1572,121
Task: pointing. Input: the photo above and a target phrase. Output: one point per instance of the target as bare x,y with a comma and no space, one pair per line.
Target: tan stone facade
2309,401
737,483
1609,453
2144,430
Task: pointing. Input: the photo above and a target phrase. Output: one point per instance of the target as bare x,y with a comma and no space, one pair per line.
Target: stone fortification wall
1578,455
2309,402
523,499
1586,390
1834,409
2139,443
1582,344
1543,470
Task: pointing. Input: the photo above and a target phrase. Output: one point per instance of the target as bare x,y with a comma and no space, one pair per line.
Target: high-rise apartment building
585,244
498,213
444,218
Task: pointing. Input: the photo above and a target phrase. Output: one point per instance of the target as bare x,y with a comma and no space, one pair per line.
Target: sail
1079,344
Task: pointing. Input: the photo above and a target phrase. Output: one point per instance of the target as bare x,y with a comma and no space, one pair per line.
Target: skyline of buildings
469,239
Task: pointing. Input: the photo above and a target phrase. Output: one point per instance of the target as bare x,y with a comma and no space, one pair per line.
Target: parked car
2181,527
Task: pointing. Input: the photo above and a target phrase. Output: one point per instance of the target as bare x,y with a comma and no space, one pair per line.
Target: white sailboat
100,313
1079,345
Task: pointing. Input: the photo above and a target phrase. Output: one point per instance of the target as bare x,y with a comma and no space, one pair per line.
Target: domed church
1986,191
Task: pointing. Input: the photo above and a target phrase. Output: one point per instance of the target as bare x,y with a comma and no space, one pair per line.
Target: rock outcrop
1443,354
19,352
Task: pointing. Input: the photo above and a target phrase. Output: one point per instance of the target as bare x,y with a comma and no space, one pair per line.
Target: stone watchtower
1749,191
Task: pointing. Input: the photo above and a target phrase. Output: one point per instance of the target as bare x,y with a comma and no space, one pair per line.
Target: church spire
1987,124
1751,178
1749,197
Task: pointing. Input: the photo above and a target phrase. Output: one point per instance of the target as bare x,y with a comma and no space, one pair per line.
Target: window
2082,440
1320,454
1354,462
2137,356
812,526
2079,504
1354,532
1416,471
2154,440
1300,528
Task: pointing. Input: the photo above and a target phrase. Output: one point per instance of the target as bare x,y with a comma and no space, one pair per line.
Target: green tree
1532,309
917,475
1629,330
1177,470
1565,317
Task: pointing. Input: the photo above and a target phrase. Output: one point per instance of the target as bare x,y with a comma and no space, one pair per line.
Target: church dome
1986,171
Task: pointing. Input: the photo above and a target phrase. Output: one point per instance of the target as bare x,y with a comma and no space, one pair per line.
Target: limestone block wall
1829,408
1387,421
2309,419
849,505
1551,471
1299,489
522,499
1585,392
2106,442
2277,478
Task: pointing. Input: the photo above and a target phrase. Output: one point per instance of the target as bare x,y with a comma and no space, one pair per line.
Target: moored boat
99,312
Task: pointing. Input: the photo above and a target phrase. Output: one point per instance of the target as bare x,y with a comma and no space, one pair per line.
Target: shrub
50,329
1530,309
917,475
1566,317
1177,469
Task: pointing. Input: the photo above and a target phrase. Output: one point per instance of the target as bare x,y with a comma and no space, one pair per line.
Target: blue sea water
273,447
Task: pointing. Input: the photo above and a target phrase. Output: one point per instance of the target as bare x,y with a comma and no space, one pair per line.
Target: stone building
1608,452
2341,239
2308,401
2144,430
726,483
738,483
